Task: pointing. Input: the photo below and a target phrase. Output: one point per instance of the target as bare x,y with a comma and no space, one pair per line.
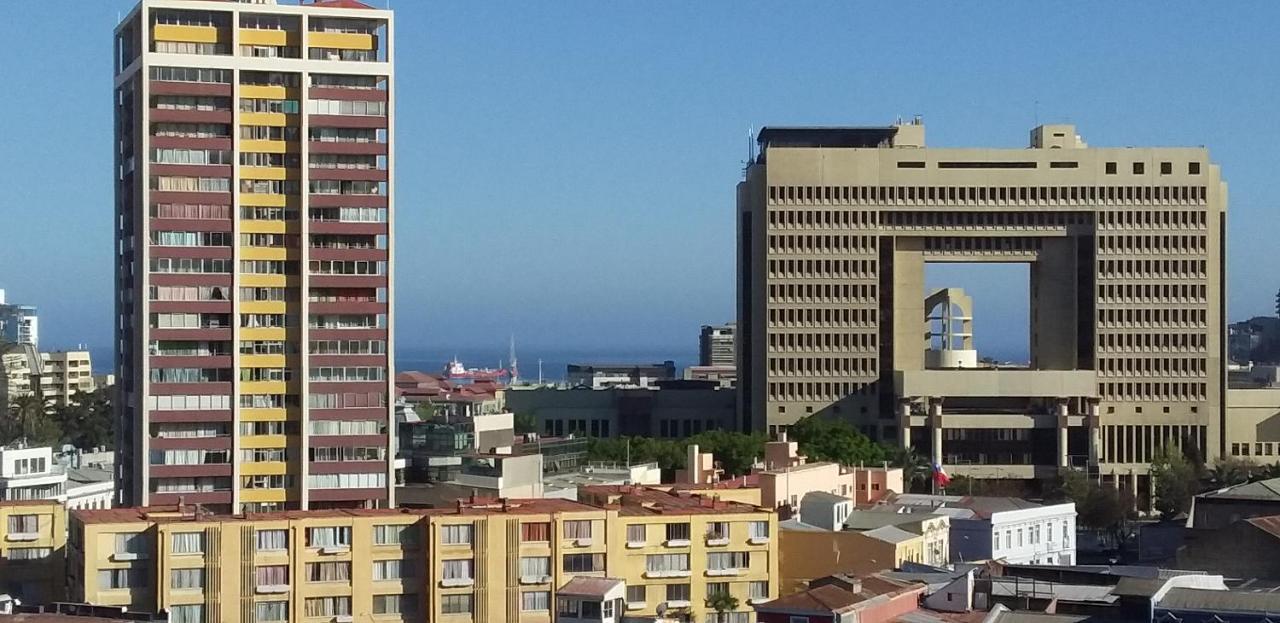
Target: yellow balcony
262,334
263,281
263,200
262,361
254,36
263,91
264,495
263,441
263,307
344,40
264,173
266,227
264,253
264,387
186,34
266,146
264,118
263,415
265,468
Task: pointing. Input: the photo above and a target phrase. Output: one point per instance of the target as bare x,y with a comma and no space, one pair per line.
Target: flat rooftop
461,508
826,136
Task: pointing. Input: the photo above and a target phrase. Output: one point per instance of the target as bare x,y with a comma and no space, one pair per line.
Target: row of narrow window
1151,269
860,366
1168,292
986,194
1134,443
814,391
1152,366
808,242
842,316
1148,219
1151,244
831,291
842,341
1160,315
1153,341
845,268
1153,391
825,218
965,243
985,219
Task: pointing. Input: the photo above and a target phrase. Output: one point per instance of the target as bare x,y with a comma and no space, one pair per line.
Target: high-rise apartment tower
716,345
253,168
1124,252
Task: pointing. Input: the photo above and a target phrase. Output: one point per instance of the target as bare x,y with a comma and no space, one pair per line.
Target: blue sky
566,169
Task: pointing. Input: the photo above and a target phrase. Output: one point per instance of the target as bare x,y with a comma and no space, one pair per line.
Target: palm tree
915,468
28,418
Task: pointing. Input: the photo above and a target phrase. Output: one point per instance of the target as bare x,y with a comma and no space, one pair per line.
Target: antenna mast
515,363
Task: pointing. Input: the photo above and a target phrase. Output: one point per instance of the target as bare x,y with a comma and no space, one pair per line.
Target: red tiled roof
1270,525
474,506
741,482
639,500
834,598
30,503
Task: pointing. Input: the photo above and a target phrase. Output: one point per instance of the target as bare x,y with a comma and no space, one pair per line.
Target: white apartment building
34,474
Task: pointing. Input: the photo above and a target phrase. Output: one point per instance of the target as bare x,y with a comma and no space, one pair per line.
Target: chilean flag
940,476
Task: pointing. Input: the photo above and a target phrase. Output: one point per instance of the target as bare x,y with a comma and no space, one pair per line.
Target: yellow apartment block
33,534
631,552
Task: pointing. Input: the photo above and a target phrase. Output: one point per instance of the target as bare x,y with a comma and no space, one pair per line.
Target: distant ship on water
455,371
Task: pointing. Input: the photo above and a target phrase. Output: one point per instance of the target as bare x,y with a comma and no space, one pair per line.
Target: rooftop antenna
515,363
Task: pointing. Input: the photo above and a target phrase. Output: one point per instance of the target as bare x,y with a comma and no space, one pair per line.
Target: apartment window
718,530
717,588
265,611
578,529
723,561
186,579
535,532
189,613
395,604
337,536
394,535
677,592
636,533
329,571
24,524
458,569
583,563
1111,168
392,569
273,540
455,604
757,590
131,543
328,606
1166,168
1139,168
535,566
459,534
346,107
115,579
666,563
29,553
758,529
1193,168
271,575
535,601
677,532
188,542
635,593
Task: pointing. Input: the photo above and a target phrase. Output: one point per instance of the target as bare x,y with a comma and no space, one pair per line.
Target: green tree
88,421
525,423
825,439
1228,471
735,452
1176,482
722,602
915,468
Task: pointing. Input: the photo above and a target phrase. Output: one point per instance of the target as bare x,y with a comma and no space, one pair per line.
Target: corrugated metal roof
1218,601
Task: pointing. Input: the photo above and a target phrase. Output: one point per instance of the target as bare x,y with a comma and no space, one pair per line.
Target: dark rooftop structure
825,136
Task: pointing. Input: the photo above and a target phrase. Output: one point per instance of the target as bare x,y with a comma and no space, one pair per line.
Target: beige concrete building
480,560
69,373
1124,248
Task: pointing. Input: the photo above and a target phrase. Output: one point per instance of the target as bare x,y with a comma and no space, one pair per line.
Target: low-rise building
934,529
1011,530
674,550
788,477
33,535
844,599
615,554
668,410
809,552
1214,510
39,474
1248,548
604,375
825,510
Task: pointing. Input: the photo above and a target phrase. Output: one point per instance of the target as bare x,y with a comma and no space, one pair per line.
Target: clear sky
566,169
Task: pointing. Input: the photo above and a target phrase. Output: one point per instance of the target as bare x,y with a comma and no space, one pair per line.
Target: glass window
395,535
392,569
328,606
535,532
265,611
188,542
635,593
636,533
661,563
395,604
758,529
187,579
677,532
339,571
459,534
535,566
458,569
578,529
535,601
677,592
758,590
455,604
338,536
583,563
272,575
190,613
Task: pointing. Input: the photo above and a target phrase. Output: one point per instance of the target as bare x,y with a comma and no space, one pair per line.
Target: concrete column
1095,432
904,424
935,424
1062,413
